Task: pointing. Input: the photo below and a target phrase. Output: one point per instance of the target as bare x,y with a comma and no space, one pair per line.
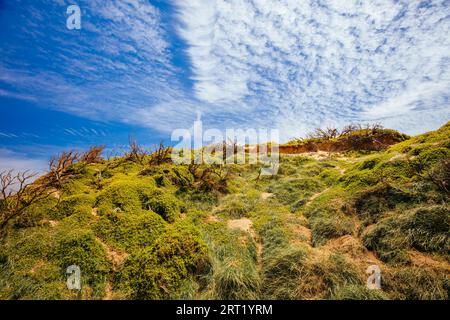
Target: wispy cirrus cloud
118,63
293,65
310,63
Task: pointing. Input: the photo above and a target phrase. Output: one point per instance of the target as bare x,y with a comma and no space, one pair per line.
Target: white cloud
289,64
10,160
303,64
119,62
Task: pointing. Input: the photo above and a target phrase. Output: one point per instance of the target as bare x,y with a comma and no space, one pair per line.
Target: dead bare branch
18,192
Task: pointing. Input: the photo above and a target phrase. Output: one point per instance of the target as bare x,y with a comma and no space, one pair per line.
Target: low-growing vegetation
142,227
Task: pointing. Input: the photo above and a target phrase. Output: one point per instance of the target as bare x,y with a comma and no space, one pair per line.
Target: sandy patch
240,224
266,195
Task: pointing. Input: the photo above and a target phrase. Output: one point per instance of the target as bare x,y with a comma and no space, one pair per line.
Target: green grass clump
360,179
166,205
234,273
163,269
371,203
28,244
274,235
130,232
79,247
385,238
237,206
281,273
126,195
73,204
326,226
235,279
297,273
358,292
417,283
330,176
429,157
426,229
42,282
295,191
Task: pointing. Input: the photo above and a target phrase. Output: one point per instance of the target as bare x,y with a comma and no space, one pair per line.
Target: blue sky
148,67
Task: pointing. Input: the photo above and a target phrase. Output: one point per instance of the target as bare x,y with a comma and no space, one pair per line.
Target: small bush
74,204
130,232
166,205
79,247
126,196
162,270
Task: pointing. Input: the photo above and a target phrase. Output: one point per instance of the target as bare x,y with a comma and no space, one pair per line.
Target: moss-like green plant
161,270
126,195
130,232
73,204
36,213
166,205
79,247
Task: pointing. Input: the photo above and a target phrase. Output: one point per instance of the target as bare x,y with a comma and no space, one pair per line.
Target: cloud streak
286,64
311,63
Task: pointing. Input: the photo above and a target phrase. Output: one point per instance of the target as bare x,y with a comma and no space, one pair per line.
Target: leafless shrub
61,167
210,178
365,129
327,134
93,155
349,129
17,193
136,153
160,155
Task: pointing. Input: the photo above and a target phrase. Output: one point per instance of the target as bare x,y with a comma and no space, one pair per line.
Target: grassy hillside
144,229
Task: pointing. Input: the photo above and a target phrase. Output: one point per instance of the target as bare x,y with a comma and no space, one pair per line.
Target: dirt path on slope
116,258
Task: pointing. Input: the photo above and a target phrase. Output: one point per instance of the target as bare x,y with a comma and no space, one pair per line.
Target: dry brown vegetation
369,137
18,192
